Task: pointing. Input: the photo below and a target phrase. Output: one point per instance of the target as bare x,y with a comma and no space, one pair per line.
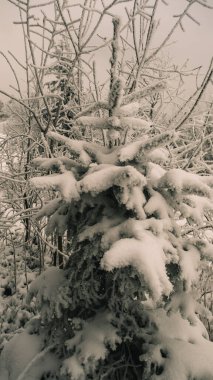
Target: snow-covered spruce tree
123,307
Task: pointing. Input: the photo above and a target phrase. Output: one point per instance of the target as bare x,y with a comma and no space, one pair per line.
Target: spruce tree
123,307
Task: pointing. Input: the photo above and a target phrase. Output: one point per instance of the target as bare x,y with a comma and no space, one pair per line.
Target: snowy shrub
14,281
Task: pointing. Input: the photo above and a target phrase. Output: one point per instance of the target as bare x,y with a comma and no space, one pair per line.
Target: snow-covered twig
146,91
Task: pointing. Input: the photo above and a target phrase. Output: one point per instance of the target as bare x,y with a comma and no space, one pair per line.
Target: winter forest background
106,195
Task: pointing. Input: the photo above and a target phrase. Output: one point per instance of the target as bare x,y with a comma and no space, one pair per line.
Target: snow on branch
189,264
138,148
185,344
103,156
146,256
108,175
180,181
205,249
194,208
57,163
65,183
158,155
90,344
129,109
49,209
134,123
82,149
132,151
58,223
126,182
157,205
46,289
114,122
132,228
99,228
76,147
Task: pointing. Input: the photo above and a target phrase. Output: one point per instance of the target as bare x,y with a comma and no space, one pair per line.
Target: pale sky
196,44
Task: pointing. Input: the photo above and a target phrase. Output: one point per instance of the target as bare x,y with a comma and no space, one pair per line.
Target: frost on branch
134,123
116,95
161,85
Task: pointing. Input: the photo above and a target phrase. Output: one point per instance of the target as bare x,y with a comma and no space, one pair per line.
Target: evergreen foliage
123,307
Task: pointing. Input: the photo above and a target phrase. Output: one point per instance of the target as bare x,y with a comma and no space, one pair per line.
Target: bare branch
203,86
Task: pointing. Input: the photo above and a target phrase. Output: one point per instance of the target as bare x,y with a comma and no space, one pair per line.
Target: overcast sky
196,44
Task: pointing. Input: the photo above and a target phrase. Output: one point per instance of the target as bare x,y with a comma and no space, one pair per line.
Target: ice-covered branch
138,149
147,91
92,108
